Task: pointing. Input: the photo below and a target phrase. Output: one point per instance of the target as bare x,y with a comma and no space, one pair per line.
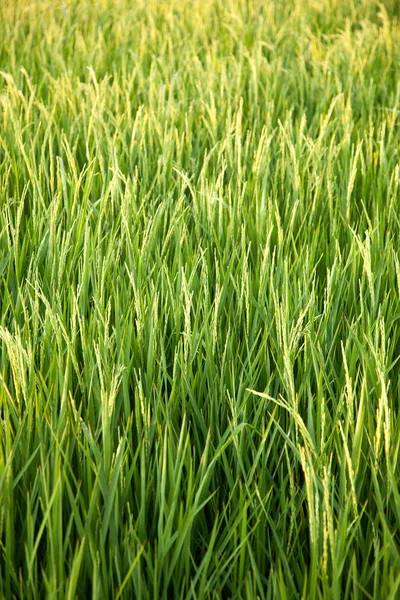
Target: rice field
199,299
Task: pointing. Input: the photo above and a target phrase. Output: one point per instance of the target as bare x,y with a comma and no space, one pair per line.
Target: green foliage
199,299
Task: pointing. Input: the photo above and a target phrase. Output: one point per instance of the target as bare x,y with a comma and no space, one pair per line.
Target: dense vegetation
199,299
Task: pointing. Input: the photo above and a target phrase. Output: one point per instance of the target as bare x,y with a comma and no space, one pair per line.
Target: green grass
199,299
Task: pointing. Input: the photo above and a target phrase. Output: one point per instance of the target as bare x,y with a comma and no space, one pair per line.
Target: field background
199,299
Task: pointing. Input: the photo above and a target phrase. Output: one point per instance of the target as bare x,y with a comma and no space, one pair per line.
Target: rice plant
199,299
